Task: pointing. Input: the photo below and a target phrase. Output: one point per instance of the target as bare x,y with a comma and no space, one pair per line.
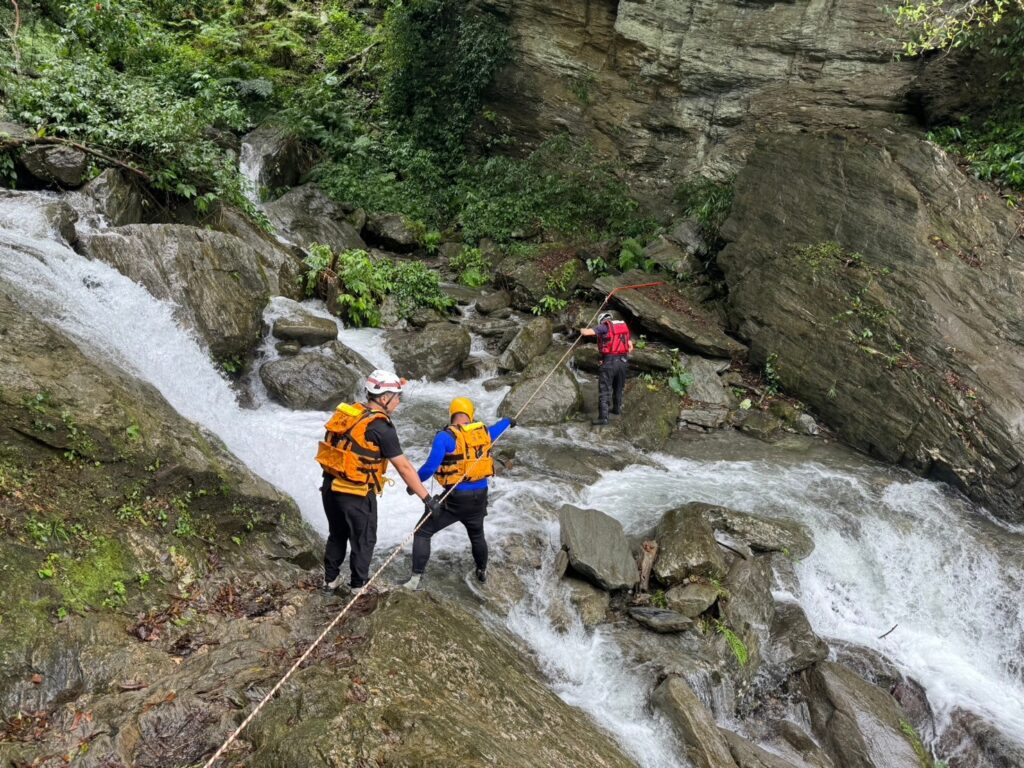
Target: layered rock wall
672,87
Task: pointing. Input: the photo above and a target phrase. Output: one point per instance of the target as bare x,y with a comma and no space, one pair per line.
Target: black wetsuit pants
610,382
466,507
350,520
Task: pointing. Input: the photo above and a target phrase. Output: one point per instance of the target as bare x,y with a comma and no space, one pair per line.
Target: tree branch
14,143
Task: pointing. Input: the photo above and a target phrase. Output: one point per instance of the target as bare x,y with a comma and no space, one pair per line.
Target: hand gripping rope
362,590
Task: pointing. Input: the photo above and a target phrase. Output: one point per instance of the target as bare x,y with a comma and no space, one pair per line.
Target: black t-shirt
383,434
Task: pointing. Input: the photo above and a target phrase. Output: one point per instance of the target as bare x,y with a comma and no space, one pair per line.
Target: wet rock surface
432,353
598,548
307,216
935,337
704,745
686,546
217,280
317,380
531,340
556,401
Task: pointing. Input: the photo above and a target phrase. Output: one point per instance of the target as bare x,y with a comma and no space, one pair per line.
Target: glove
512,423
433,506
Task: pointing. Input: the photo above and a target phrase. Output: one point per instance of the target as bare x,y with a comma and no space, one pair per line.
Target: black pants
466,507
350,520
610,382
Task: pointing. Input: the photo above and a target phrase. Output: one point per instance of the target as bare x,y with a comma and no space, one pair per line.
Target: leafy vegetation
992,139
707,201
471,267
364,282
736,644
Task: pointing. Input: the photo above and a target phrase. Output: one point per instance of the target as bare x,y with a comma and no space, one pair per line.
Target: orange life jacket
471,460
347,456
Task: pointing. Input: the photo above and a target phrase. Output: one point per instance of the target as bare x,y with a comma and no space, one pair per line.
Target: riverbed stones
306,216
590,602
705,747
531,340
555,401
857,722
433,353
598,548
317,380
749,755
57,166
930,348
686,546
793,646
649,415
115,196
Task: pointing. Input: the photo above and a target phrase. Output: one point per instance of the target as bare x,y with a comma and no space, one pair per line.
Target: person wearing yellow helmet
460,459
359,443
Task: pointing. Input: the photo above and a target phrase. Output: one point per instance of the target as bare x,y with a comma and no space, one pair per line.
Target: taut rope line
362,590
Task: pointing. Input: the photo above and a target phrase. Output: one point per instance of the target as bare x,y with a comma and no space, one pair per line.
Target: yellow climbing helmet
461,405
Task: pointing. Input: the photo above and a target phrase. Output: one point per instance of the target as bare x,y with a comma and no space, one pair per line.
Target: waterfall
890,548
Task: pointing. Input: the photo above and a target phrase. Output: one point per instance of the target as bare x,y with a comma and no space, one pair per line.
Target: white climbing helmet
379,382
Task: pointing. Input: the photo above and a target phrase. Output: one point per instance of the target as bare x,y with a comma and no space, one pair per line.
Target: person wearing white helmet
359,443
615,344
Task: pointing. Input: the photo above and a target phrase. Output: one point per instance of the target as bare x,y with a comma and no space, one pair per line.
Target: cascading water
891,549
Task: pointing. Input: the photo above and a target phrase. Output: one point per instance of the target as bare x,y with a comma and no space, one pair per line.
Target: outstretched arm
438,449
409,476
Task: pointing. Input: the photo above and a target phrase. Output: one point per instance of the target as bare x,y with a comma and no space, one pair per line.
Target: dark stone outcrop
887,284
598,548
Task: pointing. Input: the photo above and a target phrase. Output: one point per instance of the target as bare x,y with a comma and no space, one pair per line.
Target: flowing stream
890,548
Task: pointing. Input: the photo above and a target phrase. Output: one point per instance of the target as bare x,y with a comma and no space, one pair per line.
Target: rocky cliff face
672,87
890,288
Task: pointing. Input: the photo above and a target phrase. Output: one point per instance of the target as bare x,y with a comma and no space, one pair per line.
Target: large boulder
748,611
306,215
707,387
695,725
217,280
116,196
56,166
533,338
669,311
686,546
649,415
912,296
598,548
650,359
527,277
793,646
293,322
433,353
691,599
555,401
393,232
316,380
475,703
762,534
681,259
274,158
858,723
970,741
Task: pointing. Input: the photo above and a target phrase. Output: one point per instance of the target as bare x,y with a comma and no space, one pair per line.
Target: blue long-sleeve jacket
444,444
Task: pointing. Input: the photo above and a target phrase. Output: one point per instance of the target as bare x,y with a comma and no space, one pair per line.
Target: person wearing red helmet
615,344
359,443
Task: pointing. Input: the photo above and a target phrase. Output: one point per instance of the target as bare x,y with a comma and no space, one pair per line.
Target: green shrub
316,261
994,146
363,287
439,58
631,256
472,267
709,202
679,379
736,644
365,282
